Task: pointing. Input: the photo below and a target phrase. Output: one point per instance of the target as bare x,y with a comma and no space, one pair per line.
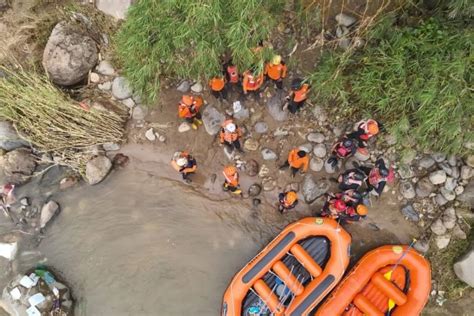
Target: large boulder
463,267
69,55
9,139
212,120
97,169
275,108
18,165
312,189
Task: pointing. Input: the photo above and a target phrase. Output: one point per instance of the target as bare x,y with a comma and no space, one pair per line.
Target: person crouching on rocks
378,176
298,95
297,160
231,180
288,200
185,164
230,135
344,148
188,109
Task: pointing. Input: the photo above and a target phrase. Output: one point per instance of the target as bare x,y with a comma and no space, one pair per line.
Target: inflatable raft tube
293,273
393,280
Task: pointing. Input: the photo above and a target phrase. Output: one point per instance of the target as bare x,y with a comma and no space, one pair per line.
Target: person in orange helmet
231,180
297,160
298,95
230,135
276,71
188,109
252,82
218,87
364,131
185,164
288,200
354,214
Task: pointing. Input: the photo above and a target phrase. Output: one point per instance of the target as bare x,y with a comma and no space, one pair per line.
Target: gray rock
315,137
450,184
424,187
452,160
312,189
280,131
129,103
410,213
94,77
458,233
48,211
150,135
196,88
405,172
447,194
470,161
329,168
9,139
442,241
408,156
184,127
261,127
440,200
308,147
264,171
184,86
254,189
111,146
449,218
344,19
4,5
268,184
139,113
115,8
294,186
105,68
212,119
344,43
316,164
251,144
243,114
121,88
422,246
390,139
320,113
251,167
275,108
338,131
466,172
69,55
455,173
341,31
438,177
439,157
459,190
97,169
268,154
162,138
106,86
407,190
446,168
320,150
18,165
426,162
438,228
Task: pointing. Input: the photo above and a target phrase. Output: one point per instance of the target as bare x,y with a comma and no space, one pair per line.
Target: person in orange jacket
218,87
185,164
188,109
297,160
230,135
288,200
231,180
252,82
276,71
298,95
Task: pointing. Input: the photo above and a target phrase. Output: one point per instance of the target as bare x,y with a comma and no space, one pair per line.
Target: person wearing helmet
218,87
288,200
230,135
298,95
378,176
185,164
354,214
231,180
188,109
344,148
334,206
276,71
297,160
364,131
252,81
351,179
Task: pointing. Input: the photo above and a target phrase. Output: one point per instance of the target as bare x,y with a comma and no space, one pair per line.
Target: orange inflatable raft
293,273
393,280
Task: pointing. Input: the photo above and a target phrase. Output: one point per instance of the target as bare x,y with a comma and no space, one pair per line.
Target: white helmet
182,161
231,127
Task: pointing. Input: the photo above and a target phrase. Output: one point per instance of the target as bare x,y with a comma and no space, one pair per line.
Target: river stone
424,187
439,157
459,190
275,108
251,144
212,119
329,168
458,233
268,184
269,154
150,135
196,88
294,186
440,200
437,227
18,165
466,172
468,195
105,68
463,267
450,184
470,161
312,190
320,113
139,113
184,86
111,146
408,156
448,194
422,246
438,177
115,8
97,169
129,103
407,190
94,77
9,139
410,213
345,20
264,171
184,127
455,173
121,89
316,164
308,147
342,31
452,160
405,171
47,212
261,127
69,55
315,137
280,131
446,168
449,218
426,162
106,86
442,241
251,167
320,150
254,189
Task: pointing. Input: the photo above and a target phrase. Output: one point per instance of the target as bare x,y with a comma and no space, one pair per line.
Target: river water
138,244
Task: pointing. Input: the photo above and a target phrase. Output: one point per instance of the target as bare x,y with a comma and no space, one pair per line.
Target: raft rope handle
293,297
285,297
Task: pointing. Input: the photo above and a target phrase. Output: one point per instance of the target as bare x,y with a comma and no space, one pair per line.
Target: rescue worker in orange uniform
276,71
188,109
231,180
297,160
231,74
288,200
298,95
252,82
218,87
230,135
185,164
365,130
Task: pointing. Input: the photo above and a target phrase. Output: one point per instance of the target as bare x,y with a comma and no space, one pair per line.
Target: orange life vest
184,154
301,94
252,82
227,136
296,161
233,74
275,72
187,110
231,179
217,83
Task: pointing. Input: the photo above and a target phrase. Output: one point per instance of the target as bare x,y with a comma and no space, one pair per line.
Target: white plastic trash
27,282
33,311
15,293
237,106
36,299
34,278
8,250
